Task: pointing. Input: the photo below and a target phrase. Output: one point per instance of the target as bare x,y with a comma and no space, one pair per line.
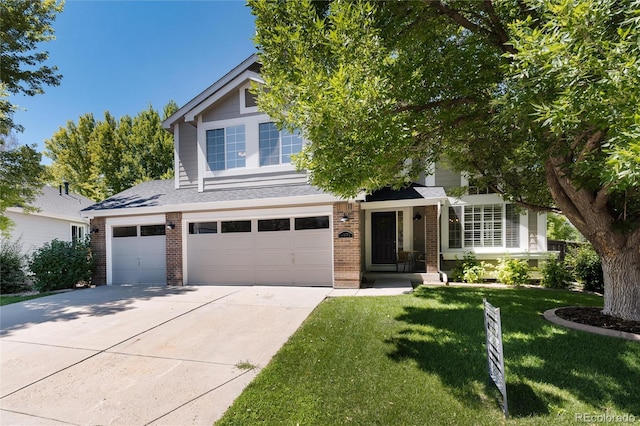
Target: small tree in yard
12,267
61,265
536,99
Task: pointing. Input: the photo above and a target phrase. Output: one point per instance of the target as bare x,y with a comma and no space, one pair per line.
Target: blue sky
121,56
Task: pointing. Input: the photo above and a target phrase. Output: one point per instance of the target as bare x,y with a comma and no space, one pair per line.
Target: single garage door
138,254
279,251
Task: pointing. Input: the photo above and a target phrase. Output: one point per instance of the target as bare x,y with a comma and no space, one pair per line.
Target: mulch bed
595,317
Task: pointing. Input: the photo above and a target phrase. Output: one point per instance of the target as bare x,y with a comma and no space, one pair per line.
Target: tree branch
492,34
499,30
435,104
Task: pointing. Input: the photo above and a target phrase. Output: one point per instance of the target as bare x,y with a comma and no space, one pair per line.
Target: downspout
443,275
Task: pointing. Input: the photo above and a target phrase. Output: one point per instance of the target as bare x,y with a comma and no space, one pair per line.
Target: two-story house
238,212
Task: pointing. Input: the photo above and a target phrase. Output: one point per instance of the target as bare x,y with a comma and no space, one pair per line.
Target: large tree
21,177
23,25
538,99
102,158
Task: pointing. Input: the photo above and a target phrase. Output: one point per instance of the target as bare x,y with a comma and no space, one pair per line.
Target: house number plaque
345,234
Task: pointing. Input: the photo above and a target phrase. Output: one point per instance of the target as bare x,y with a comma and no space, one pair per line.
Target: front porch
371,278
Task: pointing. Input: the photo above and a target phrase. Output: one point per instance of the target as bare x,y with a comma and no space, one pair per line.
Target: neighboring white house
238,212
58,217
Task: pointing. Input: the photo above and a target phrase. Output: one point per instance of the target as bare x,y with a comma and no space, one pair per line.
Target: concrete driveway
138,355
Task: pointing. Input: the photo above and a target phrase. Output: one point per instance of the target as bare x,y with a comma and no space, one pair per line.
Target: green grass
420,359
7,300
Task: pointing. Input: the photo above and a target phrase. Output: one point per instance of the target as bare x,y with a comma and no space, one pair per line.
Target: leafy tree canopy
21,177
23,25
537,99
102,158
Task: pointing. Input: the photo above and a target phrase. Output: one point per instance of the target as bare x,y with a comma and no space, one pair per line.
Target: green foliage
587,267
102,158
21,177
559,228
469,269
513,271
23,25
61,265
12,267
555,274
420,360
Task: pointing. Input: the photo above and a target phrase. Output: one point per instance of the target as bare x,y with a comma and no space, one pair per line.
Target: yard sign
495,356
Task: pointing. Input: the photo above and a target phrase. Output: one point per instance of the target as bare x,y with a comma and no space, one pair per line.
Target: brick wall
174,249
99,250
347,257
431,240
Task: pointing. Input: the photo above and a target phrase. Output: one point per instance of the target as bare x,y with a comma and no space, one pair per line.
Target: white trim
396,204
125,221
176,156
244,109
232,85
267,213
76,219
407,227
221,205
170,121
252,149
201,154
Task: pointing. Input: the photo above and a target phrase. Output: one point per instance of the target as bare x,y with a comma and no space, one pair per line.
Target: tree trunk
619,249
622,284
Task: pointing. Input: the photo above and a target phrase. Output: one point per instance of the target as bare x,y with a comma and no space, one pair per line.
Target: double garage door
279,250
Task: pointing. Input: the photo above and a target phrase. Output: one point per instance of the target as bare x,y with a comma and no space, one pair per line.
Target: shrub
61,264
12,267
468,269
513,271
555,274
587,268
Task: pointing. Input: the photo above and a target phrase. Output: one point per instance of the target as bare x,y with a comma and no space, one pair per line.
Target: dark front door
383,237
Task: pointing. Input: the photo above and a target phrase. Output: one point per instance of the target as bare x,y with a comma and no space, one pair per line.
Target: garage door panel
274,258
299,257
312,258
274,240
138,259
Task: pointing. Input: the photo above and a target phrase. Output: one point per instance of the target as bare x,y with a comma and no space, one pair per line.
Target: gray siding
188,156
262,179
225,109
446,178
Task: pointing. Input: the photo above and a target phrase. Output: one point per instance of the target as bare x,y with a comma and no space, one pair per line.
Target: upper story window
226,148
276,147
248,100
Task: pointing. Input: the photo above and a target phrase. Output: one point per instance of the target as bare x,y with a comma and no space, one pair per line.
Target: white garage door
138,254
279,251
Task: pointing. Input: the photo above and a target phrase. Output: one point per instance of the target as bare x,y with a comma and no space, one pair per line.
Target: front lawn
420,359
7,300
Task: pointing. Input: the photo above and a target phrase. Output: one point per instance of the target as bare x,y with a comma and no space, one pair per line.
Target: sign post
495,355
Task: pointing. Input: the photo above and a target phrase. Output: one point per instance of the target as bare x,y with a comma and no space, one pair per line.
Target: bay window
490,225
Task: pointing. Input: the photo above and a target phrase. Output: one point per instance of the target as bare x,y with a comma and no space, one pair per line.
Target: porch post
347,268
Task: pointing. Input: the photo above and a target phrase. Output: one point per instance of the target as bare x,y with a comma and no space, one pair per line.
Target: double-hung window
276,147
226,148
483,226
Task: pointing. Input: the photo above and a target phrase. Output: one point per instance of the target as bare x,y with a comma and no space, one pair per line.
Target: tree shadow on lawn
546,365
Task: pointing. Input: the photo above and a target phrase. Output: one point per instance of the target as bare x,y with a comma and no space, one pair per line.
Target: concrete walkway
146,355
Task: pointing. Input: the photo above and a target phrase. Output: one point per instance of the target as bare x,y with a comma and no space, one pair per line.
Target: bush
12,267
555,274
469,269
587,268
61,264
513,271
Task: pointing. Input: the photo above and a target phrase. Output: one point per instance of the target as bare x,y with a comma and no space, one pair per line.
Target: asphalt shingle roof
162,193
52,201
